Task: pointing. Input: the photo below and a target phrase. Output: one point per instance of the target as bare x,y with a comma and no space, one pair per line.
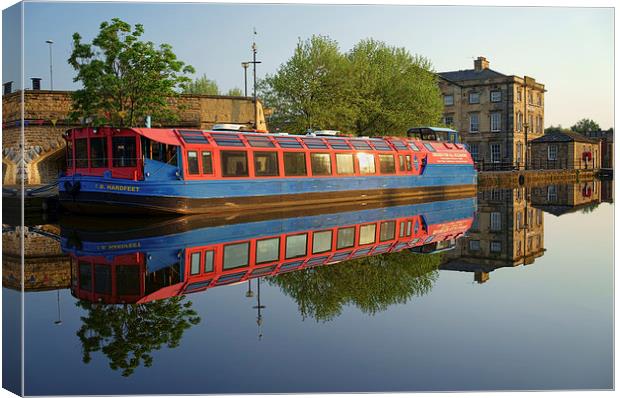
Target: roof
470,74
561,136
440,129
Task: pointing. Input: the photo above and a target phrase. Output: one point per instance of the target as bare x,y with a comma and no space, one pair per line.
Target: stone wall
569,155
46,118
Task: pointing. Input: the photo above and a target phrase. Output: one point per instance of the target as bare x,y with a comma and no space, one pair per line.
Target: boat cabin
434,134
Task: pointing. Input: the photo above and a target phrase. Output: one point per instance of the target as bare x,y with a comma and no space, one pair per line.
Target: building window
552,152
295,164
539,124
473,149
519,95
448,99
539,99
538,216
234,163
496,221
496,96
321,164
519,220
474,98
366,162
474,122
519,121
530,98
495,153
552,193
474,245
530,123
496,246
266,164
519,151
496,121
448,120
386,164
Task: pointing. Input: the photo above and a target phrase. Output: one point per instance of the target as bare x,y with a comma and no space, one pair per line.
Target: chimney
36,83
480,64
7,87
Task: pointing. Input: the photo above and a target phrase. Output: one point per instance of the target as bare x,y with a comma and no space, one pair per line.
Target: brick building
46,118
493,111
565,150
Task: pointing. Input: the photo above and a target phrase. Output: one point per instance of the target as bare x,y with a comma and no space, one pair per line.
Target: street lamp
245,76
50,42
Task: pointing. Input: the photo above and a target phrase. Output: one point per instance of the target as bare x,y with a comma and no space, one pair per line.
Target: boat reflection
175,257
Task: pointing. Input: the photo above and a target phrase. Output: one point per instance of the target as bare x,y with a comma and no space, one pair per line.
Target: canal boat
135,170
165,259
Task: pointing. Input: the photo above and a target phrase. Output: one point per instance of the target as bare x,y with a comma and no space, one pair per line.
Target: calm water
522,301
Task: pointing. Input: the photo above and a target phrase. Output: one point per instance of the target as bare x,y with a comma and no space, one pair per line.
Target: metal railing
534,164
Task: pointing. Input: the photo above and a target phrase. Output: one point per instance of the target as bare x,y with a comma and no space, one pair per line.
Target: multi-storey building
493,112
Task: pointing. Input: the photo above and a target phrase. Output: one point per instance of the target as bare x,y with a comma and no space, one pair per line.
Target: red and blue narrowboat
181,256
133,170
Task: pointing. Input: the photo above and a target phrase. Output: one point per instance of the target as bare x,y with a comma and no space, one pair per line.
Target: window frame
223,154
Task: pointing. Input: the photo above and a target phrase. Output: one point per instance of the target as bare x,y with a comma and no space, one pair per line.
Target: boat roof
438,129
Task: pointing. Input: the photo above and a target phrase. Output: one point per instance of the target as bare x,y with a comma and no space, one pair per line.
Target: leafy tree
556,129
394,90
202,85
123,78
585,125
127,334
371,283
235,92
311,90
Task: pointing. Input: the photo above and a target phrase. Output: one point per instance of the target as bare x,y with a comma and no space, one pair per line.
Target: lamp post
245,77
50,42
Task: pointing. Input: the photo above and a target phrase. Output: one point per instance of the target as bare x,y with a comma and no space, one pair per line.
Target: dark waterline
443,322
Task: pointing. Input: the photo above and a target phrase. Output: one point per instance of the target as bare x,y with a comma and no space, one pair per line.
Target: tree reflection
127,334
372,284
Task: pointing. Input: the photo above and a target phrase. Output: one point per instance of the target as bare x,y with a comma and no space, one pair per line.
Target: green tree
202,85
311,90
127,334
585,125
372,284
235,92
394,90
556,129
123,78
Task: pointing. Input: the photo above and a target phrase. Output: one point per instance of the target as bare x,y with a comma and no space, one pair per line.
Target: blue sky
570,50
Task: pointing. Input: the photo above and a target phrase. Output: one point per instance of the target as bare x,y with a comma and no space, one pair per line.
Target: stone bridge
45,118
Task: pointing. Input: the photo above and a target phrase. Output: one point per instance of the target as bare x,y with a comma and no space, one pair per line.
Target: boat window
193,137
366,162
314,143
227,139
81,153
266,163
409,228
296,245
414,147
207,162
387,230
234,163
295,164
401,163
321,164
386,164
321,242
194,263
69,151
338,144
192,163
103,279
86,277
263,270
288,142
399,145
359,144
98,152
260,142
209,261
381,145
128,280
345,238
267,250
367,234
408,162
401,229
344,163
236,255
123,151
429,147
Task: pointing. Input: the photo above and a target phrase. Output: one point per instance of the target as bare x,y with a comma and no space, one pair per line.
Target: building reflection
559,199
507,232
